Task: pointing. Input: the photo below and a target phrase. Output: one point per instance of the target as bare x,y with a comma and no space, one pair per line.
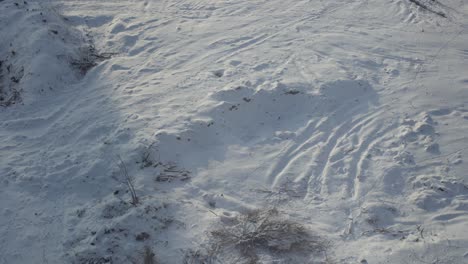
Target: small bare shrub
88,58
262,232
147,160
128,181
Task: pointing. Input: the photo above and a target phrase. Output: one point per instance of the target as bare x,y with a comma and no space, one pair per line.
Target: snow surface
348,116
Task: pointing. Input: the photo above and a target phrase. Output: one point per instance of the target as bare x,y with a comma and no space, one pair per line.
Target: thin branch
128,181
425,7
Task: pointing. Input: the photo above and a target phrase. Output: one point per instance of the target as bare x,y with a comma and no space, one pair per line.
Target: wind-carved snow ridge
41,52
265,114
41,65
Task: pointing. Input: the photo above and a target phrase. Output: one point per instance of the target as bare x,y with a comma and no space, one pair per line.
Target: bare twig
128,181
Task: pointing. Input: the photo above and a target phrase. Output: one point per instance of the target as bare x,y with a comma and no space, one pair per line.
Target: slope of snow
348,117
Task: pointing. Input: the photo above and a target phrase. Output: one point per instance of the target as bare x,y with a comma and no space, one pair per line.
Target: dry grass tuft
88,58
260,233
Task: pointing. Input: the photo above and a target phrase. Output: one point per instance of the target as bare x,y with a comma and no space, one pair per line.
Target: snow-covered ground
348,117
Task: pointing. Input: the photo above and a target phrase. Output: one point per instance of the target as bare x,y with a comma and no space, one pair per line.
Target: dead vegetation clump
128,181
427,6
9,79
171,172
93,260
8,100
260,233
88,58
147,157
